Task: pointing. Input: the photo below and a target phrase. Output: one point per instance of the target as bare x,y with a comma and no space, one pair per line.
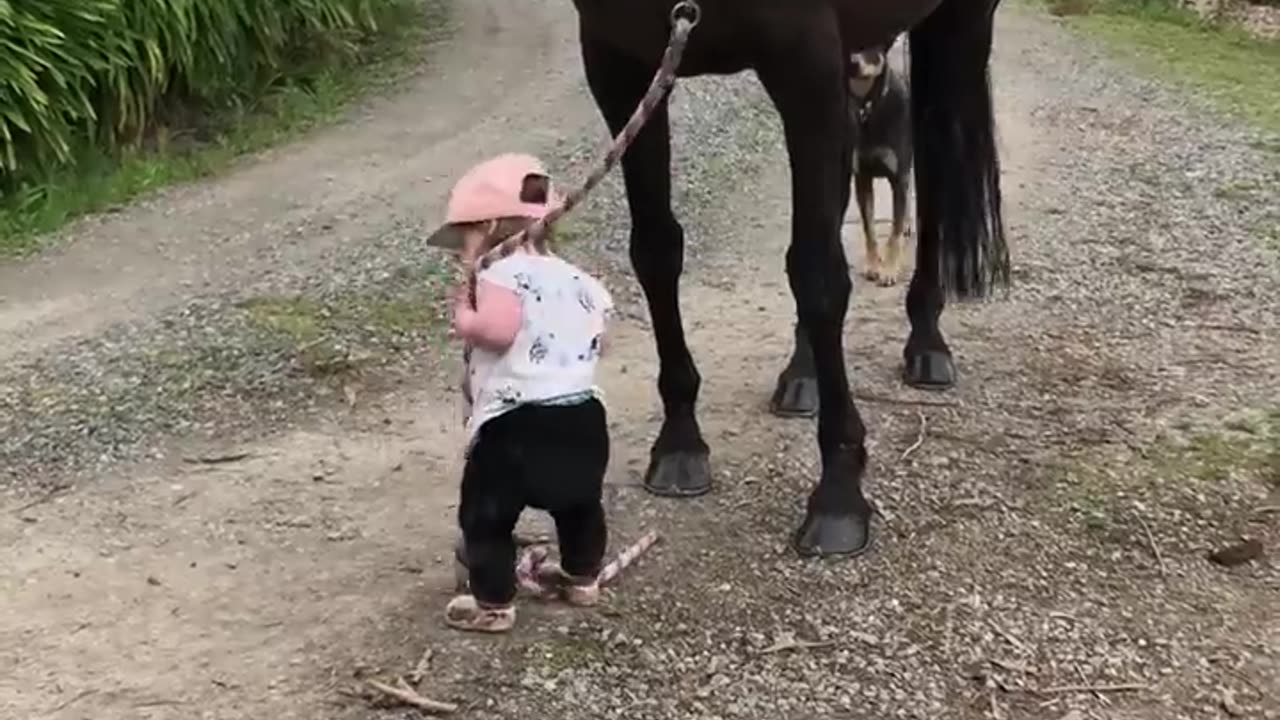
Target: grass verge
1212,478
329,337
255,361
189,149
1232,69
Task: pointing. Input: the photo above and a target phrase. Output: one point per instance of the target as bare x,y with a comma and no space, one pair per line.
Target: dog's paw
889,274
871,269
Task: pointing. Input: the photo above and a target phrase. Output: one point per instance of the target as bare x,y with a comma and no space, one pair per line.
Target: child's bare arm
495,320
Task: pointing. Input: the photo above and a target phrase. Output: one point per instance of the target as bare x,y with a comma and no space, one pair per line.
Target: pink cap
512,185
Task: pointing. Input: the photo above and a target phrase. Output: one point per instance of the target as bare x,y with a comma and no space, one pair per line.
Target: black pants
550,457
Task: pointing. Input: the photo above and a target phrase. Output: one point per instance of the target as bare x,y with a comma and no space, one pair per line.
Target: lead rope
685,16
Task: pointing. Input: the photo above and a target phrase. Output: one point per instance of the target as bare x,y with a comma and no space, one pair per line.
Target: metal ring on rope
688,11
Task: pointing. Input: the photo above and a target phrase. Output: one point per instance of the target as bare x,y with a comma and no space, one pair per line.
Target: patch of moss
1204,474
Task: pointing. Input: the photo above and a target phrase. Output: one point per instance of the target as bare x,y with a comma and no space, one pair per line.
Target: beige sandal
464,612
582,592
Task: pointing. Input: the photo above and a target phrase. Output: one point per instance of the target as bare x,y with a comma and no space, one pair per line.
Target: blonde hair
507,227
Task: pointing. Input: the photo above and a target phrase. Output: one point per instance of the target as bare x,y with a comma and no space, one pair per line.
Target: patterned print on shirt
585,300
593,351
539,350
507,395
526,287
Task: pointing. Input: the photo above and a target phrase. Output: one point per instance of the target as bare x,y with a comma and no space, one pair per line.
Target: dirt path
292,206
1017,554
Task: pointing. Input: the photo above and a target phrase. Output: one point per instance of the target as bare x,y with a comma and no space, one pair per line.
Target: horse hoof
795,397
679,474
846,535
930,370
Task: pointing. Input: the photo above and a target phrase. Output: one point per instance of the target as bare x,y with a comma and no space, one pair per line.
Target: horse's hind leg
679,463
796,393
960,242
805,79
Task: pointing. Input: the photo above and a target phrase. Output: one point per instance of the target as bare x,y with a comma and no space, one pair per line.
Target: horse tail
957,171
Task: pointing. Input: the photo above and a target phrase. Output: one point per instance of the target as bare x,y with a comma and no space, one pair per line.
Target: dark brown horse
799,50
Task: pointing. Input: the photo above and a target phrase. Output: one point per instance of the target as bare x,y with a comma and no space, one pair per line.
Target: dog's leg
867,209
893,249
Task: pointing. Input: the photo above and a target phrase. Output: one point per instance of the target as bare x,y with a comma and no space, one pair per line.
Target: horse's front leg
806,82
679,461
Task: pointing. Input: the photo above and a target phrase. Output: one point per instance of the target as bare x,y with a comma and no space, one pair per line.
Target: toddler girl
537,434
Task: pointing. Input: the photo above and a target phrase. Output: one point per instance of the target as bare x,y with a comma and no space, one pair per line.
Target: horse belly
865,23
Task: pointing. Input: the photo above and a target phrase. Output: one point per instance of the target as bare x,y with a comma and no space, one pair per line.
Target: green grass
1260,194
341,332
189,149
1205,473
1235,71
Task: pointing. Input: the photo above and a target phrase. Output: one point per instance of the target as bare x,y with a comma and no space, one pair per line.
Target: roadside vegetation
1213,58
104,100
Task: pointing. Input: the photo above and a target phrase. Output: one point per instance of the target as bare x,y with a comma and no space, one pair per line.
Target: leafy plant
103,71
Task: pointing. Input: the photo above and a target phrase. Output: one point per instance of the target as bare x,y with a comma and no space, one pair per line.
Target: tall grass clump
84,83
101,70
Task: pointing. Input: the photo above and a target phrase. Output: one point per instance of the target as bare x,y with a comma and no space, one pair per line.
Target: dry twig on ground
408,696
883,399
217,459
924,423
420,670
1151,541
787,643
1067,689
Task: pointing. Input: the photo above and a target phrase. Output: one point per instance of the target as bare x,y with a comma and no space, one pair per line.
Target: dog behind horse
799,49
880,119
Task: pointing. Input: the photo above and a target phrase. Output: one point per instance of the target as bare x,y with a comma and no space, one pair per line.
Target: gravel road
1044,550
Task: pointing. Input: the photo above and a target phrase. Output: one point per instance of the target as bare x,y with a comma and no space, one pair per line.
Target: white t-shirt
553,358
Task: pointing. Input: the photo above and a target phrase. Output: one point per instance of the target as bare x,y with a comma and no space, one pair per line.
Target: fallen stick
1012,666
424,665
872,398
919,438
1155,549
217,459
52,494
1064,689
1010,638
410,697
792,644
535,555
627,556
